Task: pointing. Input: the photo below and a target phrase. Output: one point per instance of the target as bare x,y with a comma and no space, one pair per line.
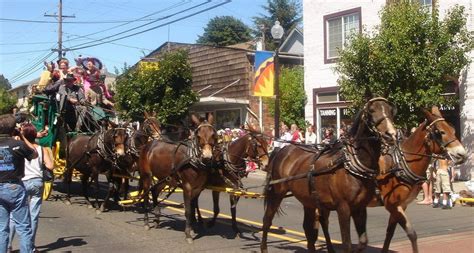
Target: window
338,29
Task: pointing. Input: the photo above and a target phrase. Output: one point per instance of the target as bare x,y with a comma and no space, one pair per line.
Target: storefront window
328,119
346,120
228,118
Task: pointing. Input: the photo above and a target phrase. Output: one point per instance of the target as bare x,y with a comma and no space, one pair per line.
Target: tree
163,87
7,101
224,31
4,83
288,12
411,58
292,96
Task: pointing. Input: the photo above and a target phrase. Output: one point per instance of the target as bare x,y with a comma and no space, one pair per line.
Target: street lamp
277,33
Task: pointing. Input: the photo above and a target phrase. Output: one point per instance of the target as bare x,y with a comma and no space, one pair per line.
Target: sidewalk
455,243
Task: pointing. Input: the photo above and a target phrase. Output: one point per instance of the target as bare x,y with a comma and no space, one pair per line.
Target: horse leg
324,221
110,191
187,195
344,217
360,221
215,201
68,180
272,204
155,192
85,189
309,229
233,210
399,216
144,186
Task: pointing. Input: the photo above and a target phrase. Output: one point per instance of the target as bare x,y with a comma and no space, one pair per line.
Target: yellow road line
289,231
282,237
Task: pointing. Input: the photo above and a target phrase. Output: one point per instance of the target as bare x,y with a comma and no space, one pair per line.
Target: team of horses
341,176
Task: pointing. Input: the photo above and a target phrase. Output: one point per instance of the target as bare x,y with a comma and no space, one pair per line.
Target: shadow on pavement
63,242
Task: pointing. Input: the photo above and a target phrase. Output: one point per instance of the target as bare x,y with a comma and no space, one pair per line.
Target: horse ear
111,124
145,113
368,94
210,118
428,115
435,111
153,114
195,119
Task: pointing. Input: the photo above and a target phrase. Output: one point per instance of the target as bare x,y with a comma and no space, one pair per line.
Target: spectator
342,133
33,179
442,185
310,135
428,185
13,198
329,137
296,134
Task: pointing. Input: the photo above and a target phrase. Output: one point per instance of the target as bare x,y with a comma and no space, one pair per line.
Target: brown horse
92,155
400,183
186,164
250,147
148,130
340,178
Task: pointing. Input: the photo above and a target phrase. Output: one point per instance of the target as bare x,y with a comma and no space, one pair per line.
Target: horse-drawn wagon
46,117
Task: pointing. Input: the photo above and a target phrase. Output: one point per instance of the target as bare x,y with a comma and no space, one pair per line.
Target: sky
24,44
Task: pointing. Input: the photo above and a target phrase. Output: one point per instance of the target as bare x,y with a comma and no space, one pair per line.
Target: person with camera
13,197
33,179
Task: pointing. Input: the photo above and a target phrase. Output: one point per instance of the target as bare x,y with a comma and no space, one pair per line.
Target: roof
294,32
24,85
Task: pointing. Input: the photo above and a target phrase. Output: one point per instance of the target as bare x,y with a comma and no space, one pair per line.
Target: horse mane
356,124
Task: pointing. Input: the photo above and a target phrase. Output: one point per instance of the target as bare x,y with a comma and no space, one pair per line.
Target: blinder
435,135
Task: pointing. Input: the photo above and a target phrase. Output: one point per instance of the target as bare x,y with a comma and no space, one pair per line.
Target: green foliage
164,88
292,96
288,12
410,59
224,31
4,83
7,101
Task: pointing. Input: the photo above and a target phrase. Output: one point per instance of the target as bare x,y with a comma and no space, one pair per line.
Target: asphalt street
76,228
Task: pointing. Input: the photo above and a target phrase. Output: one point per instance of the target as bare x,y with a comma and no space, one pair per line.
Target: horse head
441,136
151,126
116,138
378,115
257,147
205,137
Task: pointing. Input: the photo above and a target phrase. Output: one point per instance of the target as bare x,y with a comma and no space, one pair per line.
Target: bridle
434,135
253,144
366,114
150,129
196,143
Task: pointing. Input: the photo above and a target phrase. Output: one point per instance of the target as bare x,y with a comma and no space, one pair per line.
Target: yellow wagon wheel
58,166
48,188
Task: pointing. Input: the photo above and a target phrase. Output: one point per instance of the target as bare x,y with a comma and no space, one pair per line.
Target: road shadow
63,242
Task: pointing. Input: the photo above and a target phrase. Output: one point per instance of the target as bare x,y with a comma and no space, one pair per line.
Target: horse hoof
193,234
90,206
189,240
239,235
98,211
67,202
147,227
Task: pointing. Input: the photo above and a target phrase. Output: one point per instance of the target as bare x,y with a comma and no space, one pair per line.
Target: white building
327,24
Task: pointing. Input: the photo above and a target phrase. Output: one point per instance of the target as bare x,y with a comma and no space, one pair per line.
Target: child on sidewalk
442,185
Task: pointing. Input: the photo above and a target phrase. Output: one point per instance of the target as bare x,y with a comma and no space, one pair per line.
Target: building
22,92
326,30
224,77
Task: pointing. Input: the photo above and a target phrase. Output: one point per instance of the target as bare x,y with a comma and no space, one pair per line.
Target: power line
149,23
74,22
31,69
138,19
118,44
25,52
155,27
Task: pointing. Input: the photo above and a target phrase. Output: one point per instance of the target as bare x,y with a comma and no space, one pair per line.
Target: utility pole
60,17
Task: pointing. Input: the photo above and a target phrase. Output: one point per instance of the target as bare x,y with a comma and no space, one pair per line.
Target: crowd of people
75,88
294,134
22,162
